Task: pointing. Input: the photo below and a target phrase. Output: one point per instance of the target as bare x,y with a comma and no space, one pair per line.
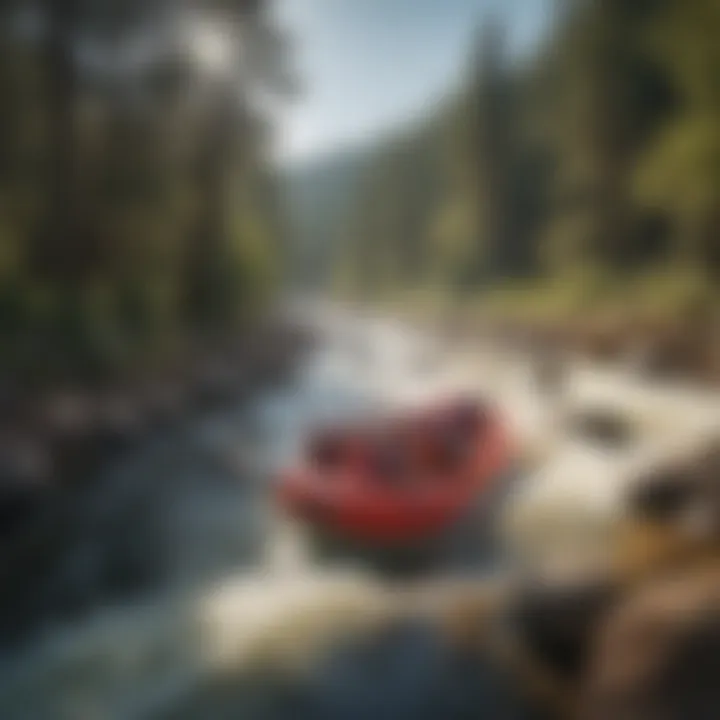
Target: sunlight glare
212,48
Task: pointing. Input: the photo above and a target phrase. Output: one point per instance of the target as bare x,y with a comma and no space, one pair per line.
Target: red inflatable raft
404,481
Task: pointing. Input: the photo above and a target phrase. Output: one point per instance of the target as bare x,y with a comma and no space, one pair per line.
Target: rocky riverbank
659,349
663,346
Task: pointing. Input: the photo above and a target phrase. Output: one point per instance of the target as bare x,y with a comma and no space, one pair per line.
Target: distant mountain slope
332,201
318,193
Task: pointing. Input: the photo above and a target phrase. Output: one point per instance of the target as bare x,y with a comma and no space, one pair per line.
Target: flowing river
215,610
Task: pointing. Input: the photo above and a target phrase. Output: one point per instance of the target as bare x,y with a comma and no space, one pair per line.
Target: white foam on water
134,662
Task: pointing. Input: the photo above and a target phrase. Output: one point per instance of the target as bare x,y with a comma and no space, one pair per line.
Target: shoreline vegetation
666,324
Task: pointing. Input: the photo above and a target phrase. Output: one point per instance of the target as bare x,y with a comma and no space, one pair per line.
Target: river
216,610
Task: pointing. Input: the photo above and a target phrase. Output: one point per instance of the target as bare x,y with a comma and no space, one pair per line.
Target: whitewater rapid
237,609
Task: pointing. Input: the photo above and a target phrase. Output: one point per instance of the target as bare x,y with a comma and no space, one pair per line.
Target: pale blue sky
367,65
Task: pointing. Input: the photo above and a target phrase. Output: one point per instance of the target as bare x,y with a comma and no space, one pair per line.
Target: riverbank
667,338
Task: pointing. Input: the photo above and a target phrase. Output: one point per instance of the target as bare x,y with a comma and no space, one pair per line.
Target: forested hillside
583,174
318,195
137,207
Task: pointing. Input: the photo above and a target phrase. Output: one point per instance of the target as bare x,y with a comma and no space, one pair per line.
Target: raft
402,481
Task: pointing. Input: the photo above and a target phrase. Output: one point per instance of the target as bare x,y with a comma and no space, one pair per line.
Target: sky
369,65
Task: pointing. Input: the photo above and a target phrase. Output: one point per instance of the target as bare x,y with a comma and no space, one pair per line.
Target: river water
216,610
214,605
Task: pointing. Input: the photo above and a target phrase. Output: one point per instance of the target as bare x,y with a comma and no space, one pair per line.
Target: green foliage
587,176
135,202
254,270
